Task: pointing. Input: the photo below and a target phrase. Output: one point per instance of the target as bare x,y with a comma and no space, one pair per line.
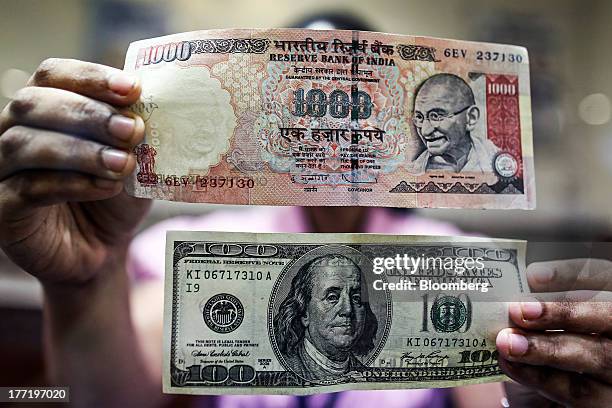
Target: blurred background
571,60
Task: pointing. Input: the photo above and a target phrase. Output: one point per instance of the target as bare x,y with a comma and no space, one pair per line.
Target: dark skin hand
562,347
65,143
63,157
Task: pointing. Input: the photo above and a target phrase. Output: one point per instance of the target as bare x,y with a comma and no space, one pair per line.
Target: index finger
570,274
96,81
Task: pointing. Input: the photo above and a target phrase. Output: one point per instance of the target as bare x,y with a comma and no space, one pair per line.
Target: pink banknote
330,117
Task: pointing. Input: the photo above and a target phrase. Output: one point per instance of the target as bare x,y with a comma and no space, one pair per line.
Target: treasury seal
448,314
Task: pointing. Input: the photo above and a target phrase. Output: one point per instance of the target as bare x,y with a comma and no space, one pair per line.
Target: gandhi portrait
324,324
445,116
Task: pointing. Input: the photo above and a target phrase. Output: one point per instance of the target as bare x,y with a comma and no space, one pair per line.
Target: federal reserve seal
448,314
505,165
223,313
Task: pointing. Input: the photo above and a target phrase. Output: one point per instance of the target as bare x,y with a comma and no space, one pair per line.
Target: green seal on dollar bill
448,314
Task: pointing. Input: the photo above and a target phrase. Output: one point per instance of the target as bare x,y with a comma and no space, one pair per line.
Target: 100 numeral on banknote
306,117
306,313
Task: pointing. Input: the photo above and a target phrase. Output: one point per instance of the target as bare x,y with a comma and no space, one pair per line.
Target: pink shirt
146,261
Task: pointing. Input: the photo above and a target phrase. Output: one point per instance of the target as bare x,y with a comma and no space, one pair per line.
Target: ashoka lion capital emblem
145,157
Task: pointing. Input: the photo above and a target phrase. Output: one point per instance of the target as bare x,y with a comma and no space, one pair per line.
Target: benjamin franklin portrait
325,327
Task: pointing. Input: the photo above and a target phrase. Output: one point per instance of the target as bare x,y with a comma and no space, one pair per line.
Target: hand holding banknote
572,367
64,153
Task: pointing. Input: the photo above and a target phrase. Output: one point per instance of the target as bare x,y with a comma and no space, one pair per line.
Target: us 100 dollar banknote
305,313
307,117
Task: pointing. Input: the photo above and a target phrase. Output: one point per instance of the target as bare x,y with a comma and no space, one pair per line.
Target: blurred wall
34,30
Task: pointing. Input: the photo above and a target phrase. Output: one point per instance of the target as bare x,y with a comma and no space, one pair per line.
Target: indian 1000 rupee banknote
305,313
308,117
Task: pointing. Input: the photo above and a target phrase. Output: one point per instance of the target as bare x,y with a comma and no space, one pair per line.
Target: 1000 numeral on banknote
301,313
306,117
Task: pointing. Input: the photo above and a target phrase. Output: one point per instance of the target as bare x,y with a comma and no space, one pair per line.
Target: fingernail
121,83
518,344
114,160
531,310
122,127
541,274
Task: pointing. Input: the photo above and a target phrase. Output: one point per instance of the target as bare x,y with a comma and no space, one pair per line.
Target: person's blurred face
337,219
451,132
335,315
